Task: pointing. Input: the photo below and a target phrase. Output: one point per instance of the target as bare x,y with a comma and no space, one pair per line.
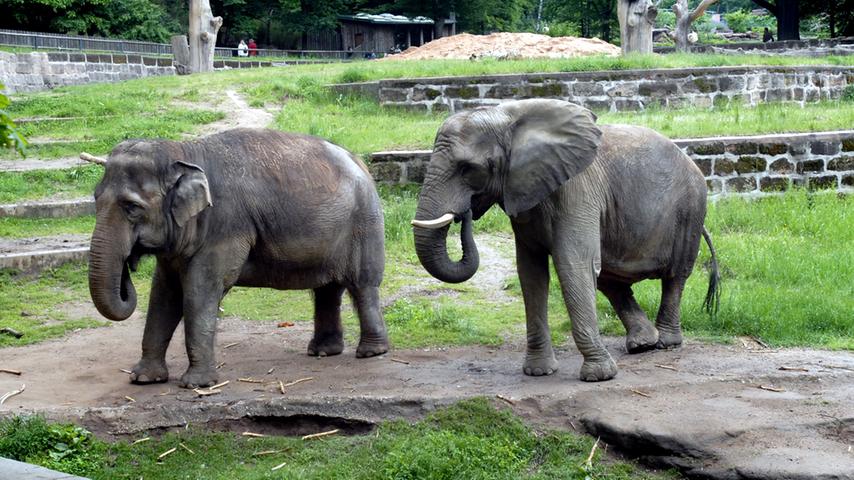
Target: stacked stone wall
29,72
756,165
617,90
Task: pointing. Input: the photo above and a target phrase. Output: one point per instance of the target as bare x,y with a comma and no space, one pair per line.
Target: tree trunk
203,29
181,54
684,19
637,18
788,20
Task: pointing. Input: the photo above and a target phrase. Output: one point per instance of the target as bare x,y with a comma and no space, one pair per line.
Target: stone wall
29,72
617,90
813,47
756,165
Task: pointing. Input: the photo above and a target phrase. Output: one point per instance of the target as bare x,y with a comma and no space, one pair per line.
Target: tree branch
766,5
701,9
677,10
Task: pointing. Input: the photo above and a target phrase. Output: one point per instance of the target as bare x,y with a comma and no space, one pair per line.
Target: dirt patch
497,269
711,410
505,45
238,114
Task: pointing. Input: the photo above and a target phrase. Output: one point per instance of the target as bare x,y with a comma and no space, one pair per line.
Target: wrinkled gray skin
610,204
256,208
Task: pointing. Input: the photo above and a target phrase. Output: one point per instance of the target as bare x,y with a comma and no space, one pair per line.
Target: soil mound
506,45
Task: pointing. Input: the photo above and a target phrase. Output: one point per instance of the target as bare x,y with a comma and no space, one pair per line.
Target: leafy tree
593,18
10,137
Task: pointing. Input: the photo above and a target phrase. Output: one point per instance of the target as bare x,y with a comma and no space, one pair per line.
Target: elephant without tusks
612,205
246,207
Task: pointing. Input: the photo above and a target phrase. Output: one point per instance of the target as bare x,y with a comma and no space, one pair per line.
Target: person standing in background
253,48
242,49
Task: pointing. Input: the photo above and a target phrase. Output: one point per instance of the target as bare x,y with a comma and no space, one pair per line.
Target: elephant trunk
431,247
109,279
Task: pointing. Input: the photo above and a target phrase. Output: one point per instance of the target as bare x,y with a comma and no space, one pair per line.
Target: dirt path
27,164
238,114
713,411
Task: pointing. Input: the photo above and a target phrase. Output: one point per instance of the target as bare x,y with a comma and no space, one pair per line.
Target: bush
63,447
848,94
743,21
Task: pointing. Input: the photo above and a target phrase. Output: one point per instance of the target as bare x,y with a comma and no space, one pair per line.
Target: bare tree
197,56
685,17
637,17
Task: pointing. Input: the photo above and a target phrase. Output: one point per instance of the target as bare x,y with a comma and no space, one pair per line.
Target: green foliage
10,136
848,94
742,21
63,447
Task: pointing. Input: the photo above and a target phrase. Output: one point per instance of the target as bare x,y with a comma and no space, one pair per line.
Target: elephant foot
669,340
149,371
539,365
598,370
326,346
371,347
199,377
642,339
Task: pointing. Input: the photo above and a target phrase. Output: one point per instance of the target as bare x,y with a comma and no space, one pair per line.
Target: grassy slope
468,440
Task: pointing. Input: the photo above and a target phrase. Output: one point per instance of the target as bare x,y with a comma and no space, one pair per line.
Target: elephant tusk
93,158
433,224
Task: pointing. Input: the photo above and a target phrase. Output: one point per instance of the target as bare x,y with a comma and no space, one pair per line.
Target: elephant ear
191,193
551,142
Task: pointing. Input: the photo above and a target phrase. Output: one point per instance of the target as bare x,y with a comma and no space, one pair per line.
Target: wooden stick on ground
505,399
186,448
589,461
12,332
792,369
253,435
9,370
145,439
291,384
167,452
666,367
399,360
125,370
642,394
278,466
321,434
11,394
770,389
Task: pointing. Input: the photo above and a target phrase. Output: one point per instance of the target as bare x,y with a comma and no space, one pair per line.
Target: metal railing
54,41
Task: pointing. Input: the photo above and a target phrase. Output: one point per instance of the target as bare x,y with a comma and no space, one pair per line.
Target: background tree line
282,23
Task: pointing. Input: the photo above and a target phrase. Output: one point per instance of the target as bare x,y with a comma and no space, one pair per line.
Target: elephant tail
713,296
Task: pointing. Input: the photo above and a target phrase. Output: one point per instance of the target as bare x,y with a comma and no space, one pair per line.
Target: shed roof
387,18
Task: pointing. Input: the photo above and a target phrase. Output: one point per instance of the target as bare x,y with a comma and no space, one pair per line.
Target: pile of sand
508,46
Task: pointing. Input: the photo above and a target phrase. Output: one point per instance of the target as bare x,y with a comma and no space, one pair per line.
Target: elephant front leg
164,313
203,290
373,337
533,271
578,284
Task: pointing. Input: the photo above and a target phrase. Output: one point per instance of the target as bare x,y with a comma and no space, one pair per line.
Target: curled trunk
431,247
109,278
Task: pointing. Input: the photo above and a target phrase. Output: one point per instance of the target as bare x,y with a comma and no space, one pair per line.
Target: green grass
11,227
36,307
68,183
740,120
471,439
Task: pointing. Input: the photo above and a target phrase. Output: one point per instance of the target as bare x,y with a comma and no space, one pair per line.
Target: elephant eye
132,209
476,176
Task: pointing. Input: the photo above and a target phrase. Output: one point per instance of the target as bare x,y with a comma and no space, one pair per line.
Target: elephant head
515,154
144,204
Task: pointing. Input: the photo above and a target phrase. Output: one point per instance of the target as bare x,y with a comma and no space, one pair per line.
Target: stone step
49,209
32,255
14,470
29,164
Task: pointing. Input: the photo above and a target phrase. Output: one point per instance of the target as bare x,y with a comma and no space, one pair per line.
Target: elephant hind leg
328,336
667,322
373,337
641,335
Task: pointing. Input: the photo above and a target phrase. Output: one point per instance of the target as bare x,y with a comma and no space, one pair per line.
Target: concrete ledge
55,209
14,470
36,261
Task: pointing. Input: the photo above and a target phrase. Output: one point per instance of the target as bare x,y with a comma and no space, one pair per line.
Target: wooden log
181,55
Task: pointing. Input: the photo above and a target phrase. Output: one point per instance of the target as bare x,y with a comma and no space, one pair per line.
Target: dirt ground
504,45
713,411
